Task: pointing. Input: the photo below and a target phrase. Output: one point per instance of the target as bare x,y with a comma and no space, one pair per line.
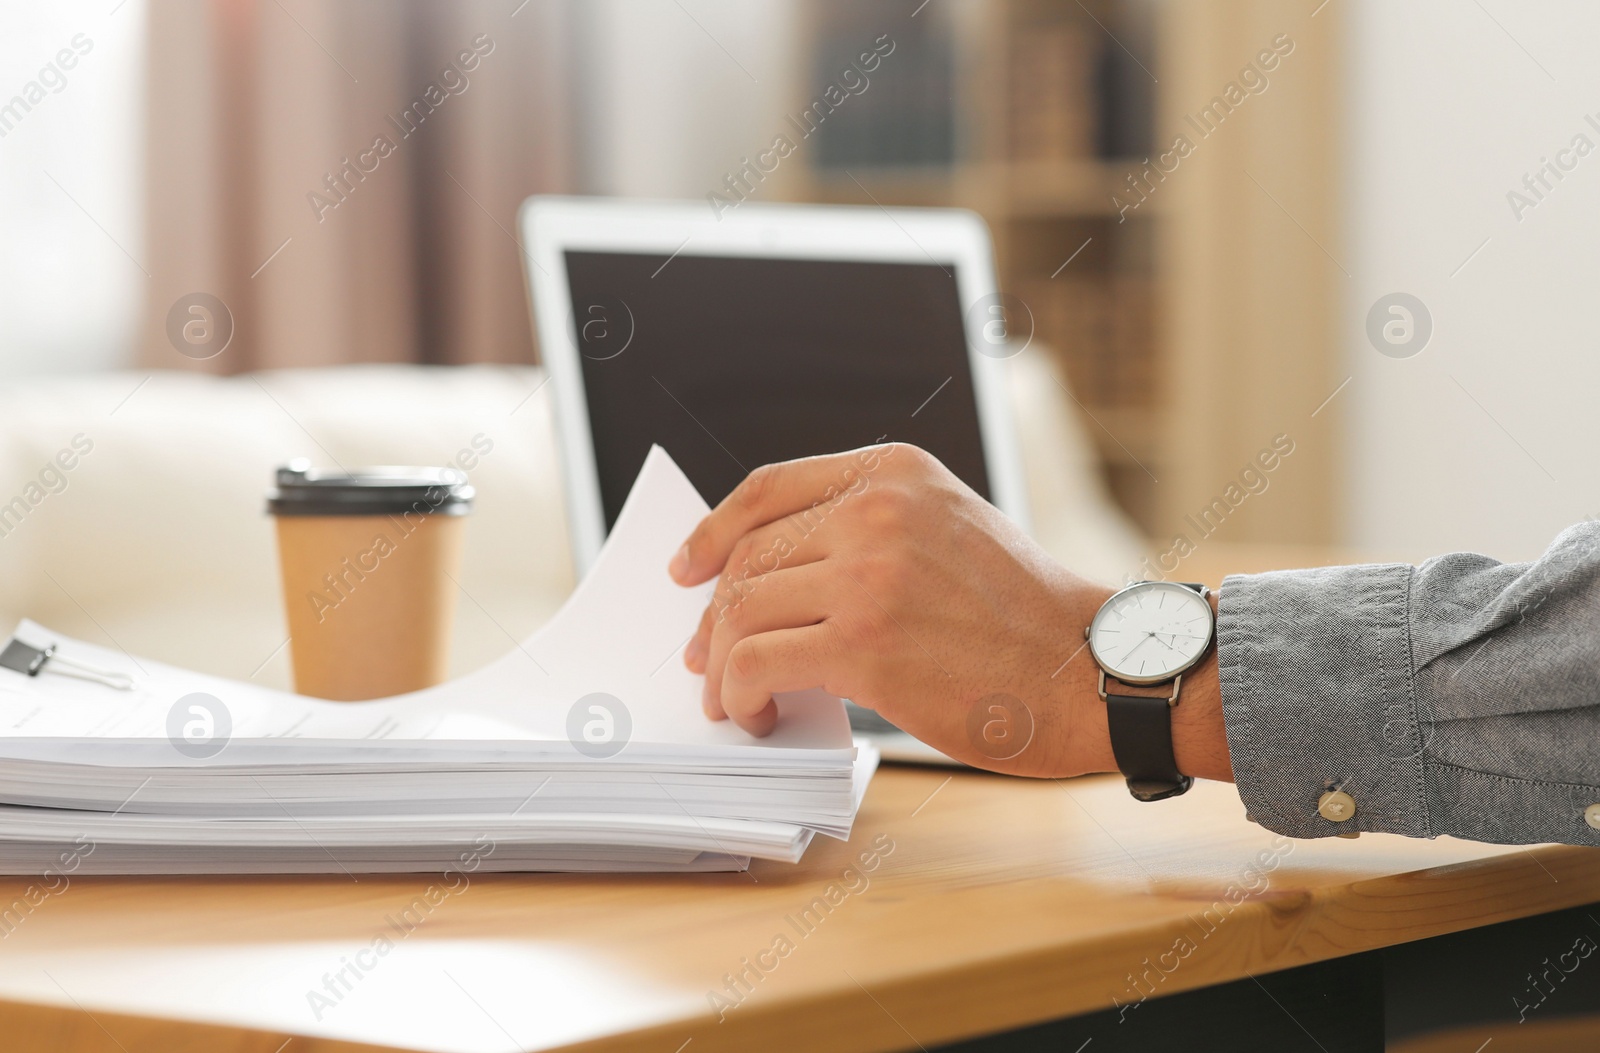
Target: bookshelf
1033,113
1025,112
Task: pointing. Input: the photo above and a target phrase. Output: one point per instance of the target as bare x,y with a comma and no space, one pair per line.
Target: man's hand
879,576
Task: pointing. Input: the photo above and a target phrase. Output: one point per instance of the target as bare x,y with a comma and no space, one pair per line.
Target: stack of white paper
582,749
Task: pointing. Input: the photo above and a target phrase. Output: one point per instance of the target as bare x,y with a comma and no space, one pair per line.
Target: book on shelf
1102,327
1051,83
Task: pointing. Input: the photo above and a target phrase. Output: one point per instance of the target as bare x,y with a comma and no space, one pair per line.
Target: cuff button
1337,806
1591,815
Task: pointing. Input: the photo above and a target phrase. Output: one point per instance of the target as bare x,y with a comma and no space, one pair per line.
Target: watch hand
1137,644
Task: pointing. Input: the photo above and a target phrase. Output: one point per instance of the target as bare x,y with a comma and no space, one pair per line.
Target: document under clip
25,658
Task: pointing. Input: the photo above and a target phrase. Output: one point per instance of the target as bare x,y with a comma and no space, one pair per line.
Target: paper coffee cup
369,560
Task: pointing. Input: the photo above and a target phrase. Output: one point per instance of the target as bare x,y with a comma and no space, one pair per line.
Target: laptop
764,333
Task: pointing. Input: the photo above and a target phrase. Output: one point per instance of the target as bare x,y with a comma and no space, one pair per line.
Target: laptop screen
731,363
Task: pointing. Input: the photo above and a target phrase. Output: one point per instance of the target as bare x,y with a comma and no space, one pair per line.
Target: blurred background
1209,209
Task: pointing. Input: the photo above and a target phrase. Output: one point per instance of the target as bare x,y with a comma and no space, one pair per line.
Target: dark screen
731,363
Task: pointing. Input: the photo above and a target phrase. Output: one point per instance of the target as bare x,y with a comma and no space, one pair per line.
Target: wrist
1088,732
1199,736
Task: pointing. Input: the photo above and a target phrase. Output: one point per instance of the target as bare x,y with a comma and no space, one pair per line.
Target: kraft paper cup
369,560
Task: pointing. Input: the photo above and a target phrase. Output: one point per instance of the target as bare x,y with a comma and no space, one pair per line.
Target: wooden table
995,903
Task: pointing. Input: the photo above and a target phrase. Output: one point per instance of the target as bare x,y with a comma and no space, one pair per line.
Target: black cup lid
306,491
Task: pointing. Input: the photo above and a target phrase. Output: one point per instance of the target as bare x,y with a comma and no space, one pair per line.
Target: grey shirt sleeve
1460,697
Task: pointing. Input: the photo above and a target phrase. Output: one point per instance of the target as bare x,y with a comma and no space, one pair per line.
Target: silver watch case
1176,676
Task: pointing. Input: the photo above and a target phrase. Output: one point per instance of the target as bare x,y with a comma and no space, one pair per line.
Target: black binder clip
30,660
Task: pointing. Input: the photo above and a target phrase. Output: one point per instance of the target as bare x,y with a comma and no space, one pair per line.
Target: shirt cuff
1317,695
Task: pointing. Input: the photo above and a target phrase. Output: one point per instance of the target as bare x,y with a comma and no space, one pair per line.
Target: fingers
787,599
760,666
769,493
787,543
699,645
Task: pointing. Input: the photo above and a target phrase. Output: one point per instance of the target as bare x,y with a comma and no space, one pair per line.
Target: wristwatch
1148,635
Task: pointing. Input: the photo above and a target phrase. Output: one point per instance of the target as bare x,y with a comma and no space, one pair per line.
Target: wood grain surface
994,902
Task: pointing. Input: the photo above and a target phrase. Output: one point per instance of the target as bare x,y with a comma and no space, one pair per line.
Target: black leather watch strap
1141,734
1141,741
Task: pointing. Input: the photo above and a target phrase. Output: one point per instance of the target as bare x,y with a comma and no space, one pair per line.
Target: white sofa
156,540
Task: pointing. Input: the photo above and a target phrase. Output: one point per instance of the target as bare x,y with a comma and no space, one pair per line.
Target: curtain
340,178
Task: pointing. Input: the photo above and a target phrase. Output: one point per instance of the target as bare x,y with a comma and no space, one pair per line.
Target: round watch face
1150,631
